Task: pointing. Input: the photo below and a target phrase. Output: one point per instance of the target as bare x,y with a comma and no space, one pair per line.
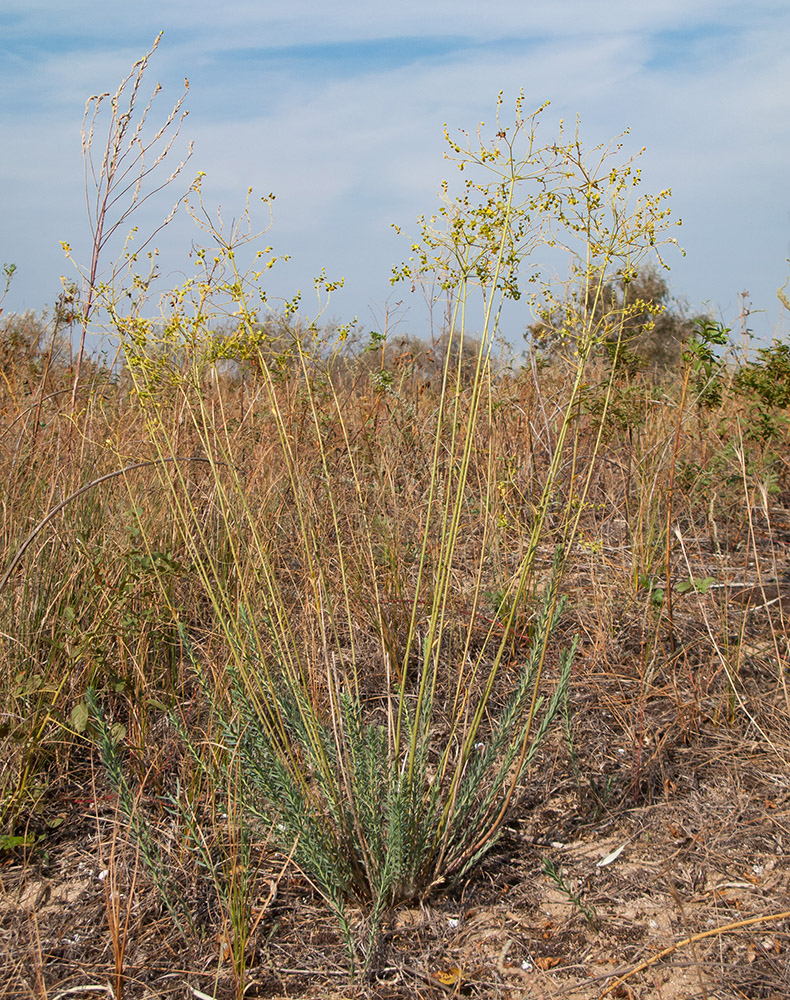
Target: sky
339,108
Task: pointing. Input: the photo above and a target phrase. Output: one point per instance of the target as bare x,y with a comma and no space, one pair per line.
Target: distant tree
32,342
407,354
642,327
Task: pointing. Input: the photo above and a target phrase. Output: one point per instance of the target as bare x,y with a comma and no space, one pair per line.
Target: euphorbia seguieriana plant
384,766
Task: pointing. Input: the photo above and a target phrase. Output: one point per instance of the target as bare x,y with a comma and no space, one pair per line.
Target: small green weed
555,874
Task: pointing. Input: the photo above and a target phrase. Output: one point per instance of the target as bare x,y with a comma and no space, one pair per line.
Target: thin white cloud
316,22
703,84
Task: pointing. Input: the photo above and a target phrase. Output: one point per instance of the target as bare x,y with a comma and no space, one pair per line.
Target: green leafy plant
699,585
764,384
705,368
109,738
655,589
555,874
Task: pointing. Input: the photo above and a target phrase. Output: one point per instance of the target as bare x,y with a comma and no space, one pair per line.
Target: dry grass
677,741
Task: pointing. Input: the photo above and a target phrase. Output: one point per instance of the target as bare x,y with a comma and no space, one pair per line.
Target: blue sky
338,108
